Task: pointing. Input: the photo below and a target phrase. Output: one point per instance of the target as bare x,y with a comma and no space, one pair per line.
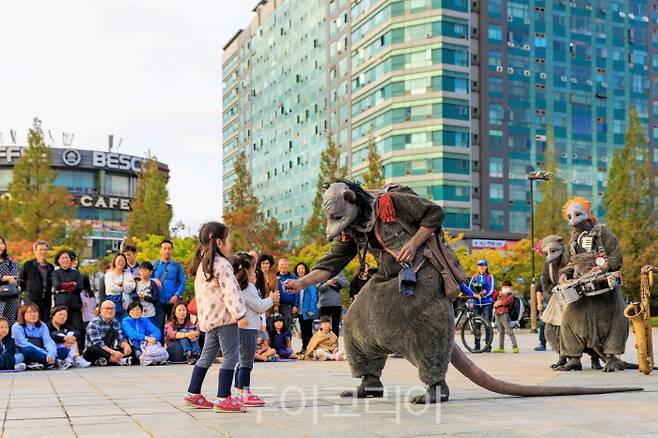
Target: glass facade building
458,96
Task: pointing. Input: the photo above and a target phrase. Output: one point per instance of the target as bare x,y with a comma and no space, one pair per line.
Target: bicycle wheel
476,334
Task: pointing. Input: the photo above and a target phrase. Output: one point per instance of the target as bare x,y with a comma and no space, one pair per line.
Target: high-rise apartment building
458,95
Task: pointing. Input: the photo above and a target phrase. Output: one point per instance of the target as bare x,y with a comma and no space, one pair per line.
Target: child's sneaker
499,350
229,405
63,364
20,367
191,359
250,399
273,358
515,350
197,401
81,362
35,366
101,362
126,361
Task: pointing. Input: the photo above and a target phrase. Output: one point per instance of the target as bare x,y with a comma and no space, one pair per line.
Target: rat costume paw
438,392
370,387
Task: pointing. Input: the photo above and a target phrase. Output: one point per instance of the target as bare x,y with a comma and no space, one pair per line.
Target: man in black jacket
36,281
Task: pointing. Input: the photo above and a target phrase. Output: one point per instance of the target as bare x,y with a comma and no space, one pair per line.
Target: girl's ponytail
242,263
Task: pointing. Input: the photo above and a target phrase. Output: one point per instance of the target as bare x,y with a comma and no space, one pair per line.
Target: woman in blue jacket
33,339
309,307
138,329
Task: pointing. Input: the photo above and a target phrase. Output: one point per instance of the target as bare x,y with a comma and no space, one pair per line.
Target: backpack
516,309
154,354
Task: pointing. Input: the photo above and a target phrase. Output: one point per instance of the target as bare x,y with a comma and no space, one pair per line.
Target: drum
566,293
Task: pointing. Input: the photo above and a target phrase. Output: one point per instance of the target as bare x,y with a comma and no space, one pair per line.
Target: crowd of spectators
52,316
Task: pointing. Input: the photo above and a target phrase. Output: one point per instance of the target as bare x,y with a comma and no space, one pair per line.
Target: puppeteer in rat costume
595,319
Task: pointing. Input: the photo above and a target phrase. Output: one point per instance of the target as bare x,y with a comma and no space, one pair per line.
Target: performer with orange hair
594,321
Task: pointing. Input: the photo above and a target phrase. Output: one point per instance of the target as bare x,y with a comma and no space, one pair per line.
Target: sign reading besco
110,160
78,158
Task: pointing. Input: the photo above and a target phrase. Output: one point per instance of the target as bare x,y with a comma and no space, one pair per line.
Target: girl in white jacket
244,267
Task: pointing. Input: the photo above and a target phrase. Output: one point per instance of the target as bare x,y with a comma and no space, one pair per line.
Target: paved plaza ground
138,401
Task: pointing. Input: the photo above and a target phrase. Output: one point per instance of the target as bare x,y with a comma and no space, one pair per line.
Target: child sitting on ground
324,343
501,307
9,358
281,338
264,353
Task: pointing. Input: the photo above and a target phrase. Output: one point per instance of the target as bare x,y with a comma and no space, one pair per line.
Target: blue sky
147,71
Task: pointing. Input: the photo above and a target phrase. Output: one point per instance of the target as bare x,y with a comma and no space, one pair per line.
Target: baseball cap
483,263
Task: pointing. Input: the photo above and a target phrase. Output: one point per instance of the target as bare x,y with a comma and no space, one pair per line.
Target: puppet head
552,247
577,210
347,208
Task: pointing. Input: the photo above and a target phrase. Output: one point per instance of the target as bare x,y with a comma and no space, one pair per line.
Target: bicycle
474,329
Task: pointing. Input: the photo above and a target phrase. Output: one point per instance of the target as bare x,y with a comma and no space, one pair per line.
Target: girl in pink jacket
220,312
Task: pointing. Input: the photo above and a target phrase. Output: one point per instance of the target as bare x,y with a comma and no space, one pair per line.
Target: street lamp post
532,177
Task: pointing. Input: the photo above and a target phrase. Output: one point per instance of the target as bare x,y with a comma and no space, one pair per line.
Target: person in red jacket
501,308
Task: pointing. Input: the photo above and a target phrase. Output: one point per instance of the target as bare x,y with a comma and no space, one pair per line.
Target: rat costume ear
349,196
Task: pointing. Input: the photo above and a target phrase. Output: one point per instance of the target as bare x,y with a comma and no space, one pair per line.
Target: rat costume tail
475,374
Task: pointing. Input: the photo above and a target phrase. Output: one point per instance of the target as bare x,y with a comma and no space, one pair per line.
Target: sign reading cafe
108,202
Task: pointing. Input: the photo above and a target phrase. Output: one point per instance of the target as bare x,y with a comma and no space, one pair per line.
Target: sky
147,71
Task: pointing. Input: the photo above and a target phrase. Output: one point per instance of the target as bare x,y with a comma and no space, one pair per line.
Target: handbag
8,291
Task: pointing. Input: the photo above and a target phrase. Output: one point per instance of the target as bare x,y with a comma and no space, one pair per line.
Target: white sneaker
126,361
81,362
63,364
20,367
35,366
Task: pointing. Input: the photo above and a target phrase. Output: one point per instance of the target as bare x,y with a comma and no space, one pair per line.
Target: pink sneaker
251,400
198,401
229,405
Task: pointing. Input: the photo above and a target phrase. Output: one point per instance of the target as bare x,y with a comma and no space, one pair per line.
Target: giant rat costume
391,314
597,321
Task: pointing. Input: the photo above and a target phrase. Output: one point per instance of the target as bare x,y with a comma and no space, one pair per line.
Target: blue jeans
62,353
19,358
189,346
118,305
33,354
162,311
226,338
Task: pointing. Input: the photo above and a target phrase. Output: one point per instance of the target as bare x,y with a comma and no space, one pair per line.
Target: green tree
629,203
150,211
35,208
330,172
250,229
553,193
374,177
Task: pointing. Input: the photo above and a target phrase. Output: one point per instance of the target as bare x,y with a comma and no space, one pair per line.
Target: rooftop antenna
13,136
110,143
67,139
119,145
52,140
2,140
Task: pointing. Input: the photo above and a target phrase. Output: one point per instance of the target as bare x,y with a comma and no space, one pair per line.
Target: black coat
69,299
7,351
30,282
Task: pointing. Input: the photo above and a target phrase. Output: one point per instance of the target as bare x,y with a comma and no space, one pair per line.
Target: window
6,176
518,221
496,114
496,192
117,185
496,167
495,33
497,220
77,182
494,60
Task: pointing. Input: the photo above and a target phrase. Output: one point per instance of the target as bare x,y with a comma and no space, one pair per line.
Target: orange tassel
386,209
